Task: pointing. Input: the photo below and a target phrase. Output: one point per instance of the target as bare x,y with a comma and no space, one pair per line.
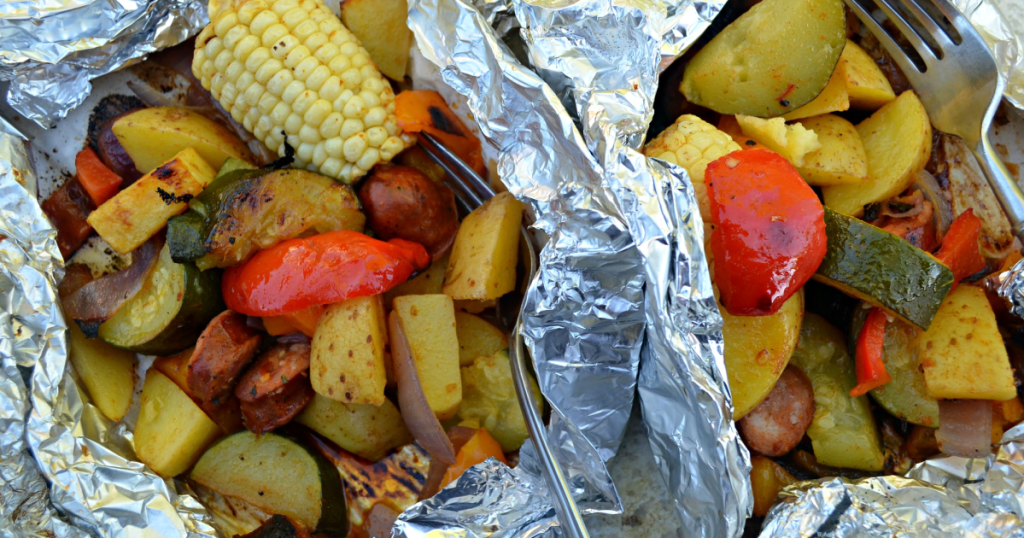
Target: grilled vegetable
959,249
477,338
843,431
304,80
962,353
153,135
347,358
244,211
169,312
108,373
380,27
897,141
769,235
767,479
97,180
429,325
773,59
68,208
477,449
757,349
278,476
141,210
881,268
489,397
426,111
840,159
322,269
483,260
369,431
171,432
870,369
865,83
692,143
833,98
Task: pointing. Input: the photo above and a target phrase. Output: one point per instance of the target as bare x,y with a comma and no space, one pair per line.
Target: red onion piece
293,338
929,187
103,297
915,200
965,428
412,401
151,96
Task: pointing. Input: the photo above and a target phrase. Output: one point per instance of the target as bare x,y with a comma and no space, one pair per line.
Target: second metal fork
955,77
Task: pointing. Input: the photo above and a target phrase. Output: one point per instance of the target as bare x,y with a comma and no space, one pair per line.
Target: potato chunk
840,159
426,283
380,27
429,325
140,211
369,431
897,141
865,83
153,135
477,338
483,260
832,99
962,352
172,432
347,357
490,398
107,372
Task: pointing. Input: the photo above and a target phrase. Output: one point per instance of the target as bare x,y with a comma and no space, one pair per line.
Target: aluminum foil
1007,46
51,50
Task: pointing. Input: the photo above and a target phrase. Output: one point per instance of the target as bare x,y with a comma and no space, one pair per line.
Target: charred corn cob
288,70
692,143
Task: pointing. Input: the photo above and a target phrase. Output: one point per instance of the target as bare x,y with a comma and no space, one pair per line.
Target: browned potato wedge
483,260
347,357
841,158
151,136
865,84
832,99
429,325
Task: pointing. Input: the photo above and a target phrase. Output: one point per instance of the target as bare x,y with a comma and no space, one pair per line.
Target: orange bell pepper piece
477,449
870,368
959,250
100,182
425,111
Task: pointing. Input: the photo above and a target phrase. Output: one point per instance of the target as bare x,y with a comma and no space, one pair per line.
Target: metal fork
471,191
956,79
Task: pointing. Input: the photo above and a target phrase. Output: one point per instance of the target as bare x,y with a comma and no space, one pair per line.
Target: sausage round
402,202
273,370
777,424
224,349
275,410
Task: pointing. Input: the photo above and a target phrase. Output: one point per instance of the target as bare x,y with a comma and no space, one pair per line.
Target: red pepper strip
870,368
960,251
425,111
769,235
99,181
322,269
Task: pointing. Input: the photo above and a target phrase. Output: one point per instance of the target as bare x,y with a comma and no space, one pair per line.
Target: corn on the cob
692,143
288,70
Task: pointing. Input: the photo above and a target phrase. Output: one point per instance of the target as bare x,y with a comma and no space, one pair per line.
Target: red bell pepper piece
99,181
870,368
425,111
322,269
959,250
769,235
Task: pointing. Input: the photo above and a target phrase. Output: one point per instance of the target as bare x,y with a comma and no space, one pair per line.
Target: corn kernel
351,127
375,117
273,35
331,125
354,147
304,153
376,136
370,157
225,23
317,76
331,167
319,154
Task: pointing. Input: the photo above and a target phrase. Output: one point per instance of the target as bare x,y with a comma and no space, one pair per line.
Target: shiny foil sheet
51,49
1007,47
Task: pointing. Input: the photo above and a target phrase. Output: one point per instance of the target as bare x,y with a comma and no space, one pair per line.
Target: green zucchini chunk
873,265
279,476
169,312
906,396
843,431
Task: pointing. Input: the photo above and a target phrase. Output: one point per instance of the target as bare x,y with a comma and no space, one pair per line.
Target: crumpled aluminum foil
1007,47
51,50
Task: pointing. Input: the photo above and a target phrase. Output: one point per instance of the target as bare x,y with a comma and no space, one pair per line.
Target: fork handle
1006,189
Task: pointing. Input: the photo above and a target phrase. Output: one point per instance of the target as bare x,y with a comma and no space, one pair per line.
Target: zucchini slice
169,312
279,476
873,265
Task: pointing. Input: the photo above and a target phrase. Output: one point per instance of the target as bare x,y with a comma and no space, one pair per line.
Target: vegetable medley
314,297
851,249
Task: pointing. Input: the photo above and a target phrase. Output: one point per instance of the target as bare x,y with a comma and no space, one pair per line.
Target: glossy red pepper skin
870,342
959,250
769,235
322,269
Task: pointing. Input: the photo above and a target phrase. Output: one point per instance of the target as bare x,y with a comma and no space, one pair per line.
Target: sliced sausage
778,423
273,370
224,349
278,526
279,408
402,202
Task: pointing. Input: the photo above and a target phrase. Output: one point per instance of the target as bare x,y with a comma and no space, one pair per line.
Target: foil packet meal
622,266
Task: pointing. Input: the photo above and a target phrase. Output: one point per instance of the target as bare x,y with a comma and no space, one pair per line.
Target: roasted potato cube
429,325
107,372
172,432
897,142
138,212
477,338
865,83
483,260
489,397
369,431
840,159
347,358
153,135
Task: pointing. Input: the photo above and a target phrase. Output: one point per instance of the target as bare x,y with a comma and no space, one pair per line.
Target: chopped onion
412,401
929,187
151,96
965,428
102,298
915,200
